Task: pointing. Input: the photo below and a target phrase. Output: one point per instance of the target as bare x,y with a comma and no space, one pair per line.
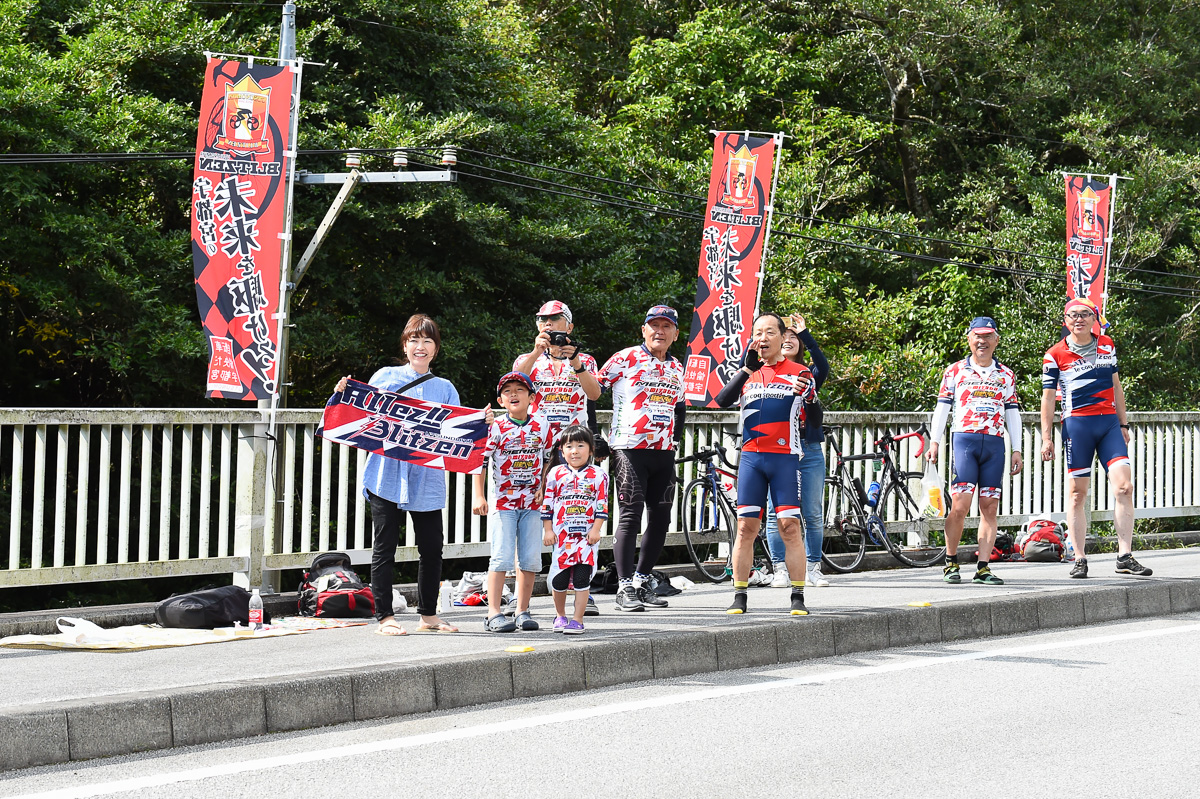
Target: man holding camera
565,378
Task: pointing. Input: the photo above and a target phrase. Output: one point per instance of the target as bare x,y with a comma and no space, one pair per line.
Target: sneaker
627,600
950,573
739,604
560,623
1127,564
815,577
798,608
984,576
525,621
499,624
591,609
573,628
650,599
781,578
1079,570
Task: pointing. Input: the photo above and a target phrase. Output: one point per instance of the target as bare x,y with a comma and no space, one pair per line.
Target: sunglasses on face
1081,316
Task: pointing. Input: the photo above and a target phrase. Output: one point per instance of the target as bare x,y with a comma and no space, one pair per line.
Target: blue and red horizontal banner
411,430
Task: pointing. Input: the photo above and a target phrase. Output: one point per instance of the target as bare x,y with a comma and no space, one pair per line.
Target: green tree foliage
937,129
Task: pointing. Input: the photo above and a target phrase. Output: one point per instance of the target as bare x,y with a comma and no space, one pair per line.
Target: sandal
438,627
391,627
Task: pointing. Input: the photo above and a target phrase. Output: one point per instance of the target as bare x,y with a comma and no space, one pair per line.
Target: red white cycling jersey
574,501
772,411
559,397
517,452
980,396
1086,383
645,391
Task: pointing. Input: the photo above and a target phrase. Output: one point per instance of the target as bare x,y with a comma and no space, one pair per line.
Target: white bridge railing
108,494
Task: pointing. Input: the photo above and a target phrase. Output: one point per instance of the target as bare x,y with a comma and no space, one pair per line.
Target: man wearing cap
648,414
565,378
982,393
1094,423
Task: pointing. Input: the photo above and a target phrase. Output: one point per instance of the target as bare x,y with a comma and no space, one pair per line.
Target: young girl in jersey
574,509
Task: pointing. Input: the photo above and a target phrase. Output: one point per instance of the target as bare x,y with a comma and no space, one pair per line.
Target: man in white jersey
982,392
648,410
564,378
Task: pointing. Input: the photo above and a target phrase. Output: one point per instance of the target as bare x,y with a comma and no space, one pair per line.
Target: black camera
559,338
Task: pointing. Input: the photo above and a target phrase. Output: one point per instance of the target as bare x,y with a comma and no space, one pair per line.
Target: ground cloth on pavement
82,634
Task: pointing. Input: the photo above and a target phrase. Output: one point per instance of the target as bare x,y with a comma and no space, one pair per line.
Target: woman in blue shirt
393,487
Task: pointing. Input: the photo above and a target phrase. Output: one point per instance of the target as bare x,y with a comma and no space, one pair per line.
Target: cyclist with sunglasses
1094,423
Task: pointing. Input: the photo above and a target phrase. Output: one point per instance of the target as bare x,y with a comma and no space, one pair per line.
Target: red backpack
331,589
1042,540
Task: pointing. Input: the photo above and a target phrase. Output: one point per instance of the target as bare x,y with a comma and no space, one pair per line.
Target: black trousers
386,520
644,480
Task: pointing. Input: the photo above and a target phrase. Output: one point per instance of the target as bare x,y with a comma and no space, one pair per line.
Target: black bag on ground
331,589
204,610
605,581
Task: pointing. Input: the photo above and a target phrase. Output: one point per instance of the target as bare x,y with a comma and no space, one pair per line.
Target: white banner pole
1108,240
762,263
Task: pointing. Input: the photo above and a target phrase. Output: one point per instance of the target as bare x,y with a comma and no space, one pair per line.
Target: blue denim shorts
516,534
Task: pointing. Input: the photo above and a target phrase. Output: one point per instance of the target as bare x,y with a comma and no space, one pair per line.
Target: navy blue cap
663,312
514,377
982,325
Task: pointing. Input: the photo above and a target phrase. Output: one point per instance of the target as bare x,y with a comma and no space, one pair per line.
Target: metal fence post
250,493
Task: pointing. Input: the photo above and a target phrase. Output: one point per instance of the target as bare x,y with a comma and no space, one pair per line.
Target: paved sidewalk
71,705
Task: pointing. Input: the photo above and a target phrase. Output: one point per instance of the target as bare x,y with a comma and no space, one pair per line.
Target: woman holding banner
394,488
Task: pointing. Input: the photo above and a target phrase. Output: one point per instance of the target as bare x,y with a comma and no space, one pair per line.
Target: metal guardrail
108,494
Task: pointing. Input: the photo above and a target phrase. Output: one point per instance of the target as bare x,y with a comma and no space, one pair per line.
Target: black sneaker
1127,564
591,609
1079,570
984,576
739,603
651,599
950,573
798,608
627,600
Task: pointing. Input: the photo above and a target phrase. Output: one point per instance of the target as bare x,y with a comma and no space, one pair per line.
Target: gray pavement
70,705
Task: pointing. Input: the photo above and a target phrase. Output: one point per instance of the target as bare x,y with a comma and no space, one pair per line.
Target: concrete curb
117,725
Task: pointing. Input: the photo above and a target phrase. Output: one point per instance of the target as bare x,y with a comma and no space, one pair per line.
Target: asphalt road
1104,710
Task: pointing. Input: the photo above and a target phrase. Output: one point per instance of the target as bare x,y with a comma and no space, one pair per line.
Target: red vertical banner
239,190
1087,238
735,226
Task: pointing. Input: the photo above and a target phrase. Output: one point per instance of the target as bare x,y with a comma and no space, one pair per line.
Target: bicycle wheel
706,527
907,530
845,528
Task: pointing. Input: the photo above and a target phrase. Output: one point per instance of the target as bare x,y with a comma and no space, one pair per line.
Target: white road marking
571,717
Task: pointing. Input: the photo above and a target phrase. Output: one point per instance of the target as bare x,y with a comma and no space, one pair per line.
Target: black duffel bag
204,610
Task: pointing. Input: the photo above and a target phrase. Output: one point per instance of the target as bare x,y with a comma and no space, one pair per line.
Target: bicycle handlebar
716,451
889,439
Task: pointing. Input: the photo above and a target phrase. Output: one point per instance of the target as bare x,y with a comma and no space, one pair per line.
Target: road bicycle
710,517
852,524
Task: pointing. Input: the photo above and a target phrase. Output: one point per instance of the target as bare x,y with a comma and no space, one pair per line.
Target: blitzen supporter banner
735,222
1087,238
425,433
238,198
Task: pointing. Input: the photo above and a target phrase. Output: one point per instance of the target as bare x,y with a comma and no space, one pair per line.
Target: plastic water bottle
873,494
256,611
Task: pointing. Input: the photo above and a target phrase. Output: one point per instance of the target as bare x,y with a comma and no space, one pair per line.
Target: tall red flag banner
735,226
1087,238
238,198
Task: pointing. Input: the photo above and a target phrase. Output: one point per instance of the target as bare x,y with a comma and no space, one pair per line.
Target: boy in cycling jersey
982,394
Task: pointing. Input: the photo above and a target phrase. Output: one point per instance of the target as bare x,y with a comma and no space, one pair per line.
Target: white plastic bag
934,490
